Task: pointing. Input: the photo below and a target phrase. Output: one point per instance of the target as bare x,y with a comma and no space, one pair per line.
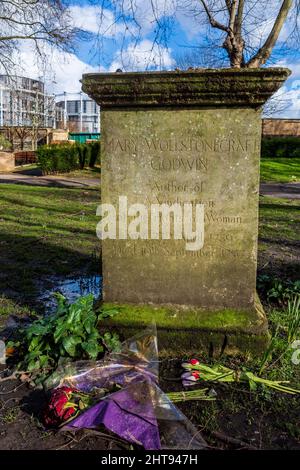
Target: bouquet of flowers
120,392
64,404
195,372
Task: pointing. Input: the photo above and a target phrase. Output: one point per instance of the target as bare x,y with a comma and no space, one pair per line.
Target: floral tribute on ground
121,393
197,372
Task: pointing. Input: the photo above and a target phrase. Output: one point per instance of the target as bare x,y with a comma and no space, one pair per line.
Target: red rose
59,409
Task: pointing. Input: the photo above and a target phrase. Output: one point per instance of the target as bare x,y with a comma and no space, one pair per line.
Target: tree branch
239,18
265,51
233,11
214,23
228,4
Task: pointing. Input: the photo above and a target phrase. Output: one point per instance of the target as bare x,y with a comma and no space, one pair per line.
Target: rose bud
188,380
196,375
194,362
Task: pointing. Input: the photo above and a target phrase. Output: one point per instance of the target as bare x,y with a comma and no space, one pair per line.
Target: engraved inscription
182,164
192,144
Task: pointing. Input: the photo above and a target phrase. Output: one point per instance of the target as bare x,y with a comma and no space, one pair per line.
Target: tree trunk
235,50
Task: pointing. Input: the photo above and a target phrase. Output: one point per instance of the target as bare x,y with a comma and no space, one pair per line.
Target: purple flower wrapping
129,413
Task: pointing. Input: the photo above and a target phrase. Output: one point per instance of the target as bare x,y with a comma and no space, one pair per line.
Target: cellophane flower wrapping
128,400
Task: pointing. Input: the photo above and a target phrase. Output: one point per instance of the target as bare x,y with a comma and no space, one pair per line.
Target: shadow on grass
280,260
28,171
59,228
279,207
50,183
280,242
51,208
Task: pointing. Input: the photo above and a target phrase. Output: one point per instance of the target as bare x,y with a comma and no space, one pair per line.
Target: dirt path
279,190
53,181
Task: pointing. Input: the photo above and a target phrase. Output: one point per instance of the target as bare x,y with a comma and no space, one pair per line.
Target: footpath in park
48,181
278,190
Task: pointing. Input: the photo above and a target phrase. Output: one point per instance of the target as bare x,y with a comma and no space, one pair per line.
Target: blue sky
185,34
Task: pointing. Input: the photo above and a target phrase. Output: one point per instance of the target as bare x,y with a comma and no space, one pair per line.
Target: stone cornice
199,88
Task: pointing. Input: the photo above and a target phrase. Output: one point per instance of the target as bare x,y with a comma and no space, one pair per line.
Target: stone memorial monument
184,138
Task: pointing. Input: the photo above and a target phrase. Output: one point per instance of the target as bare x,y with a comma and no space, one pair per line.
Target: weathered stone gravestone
178,137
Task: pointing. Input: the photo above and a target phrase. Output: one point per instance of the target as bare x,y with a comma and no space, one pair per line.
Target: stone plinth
178,137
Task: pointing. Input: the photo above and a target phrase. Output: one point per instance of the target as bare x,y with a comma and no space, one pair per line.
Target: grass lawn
44,232
279,245
85,173
51,231
280,170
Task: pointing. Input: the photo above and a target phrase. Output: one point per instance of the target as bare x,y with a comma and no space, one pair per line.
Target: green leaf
106,312
112,342
34,343
60,329
70,343
44,360
37,328
92,348
33,365
62,305
89,322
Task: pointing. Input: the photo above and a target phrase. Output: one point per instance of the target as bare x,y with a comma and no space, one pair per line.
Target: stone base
185,332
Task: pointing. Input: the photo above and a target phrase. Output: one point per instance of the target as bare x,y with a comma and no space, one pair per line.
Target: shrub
63,158
95,150
84,152
276,290
4,143
57,158
280,147
71,332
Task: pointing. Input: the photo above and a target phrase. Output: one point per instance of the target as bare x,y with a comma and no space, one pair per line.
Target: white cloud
143,56
290,92
96,20
62,71
67,70
147,12
293,111
291,101
296,85
85,17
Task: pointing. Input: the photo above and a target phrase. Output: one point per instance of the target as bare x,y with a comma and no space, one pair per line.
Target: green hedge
280,147
64,158
57,158
95,153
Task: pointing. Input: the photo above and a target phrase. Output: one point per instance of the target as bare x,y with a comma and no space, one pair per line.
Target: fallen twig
232,440
94,432
14,376
13,390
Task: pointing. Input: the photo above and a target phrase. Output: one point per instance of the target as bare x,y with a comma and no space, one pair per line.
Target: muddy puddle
71,288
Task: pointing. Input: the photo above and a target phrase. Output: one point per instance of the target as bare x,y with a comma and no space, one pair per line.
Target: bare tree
234,42
244,32
21,134
37,22
276,105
